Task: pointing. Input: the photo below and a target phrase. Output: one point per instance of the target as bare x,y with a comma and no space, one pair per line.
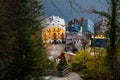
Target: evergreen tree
24,49
113,16
6,38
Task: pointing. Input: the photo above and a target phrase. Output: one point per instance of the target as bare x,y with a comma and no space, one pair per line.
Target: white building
53,21
53,29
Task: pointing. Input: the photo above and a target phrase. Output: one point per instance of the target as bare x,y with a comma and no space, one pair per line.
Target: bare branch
105,14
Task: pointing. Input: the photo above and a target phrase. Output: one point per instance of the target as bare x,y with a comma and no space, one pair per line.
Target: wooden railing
64,72
59,73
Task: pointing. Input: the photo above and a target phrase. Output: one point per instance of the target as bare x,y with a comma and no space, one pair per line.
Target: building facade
53,29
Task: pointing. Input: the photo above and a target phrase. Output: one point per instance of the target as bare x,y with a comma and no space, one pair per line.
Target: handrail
59,73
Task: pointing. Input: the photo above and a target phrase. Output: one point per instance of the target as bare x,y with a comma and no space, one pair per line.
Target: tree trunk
113,52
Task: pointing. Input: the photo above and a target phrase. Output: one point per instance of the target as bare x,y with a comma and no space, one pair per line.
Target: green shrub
91,67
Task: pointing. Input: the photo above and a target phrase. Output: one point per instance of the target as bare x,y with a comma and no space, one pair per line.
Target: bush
91,67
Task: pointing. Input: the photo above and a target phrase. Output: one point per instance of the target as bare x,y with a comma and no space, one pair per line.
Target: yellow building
100,36
51,34
54,30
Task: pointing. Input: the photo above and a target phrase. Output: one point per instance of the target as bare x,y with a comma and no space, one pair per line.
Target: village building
74,40
100,39
72,35
75,25
102,25
53,30
79,33
88,28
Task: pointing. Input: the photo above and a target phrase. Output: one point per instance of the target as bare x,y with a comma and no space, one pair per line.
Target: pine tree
113,16
6,38
25,52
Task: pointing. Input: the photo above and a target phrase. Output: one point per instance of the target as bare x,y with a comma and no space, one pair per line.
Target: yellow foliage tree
92,67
